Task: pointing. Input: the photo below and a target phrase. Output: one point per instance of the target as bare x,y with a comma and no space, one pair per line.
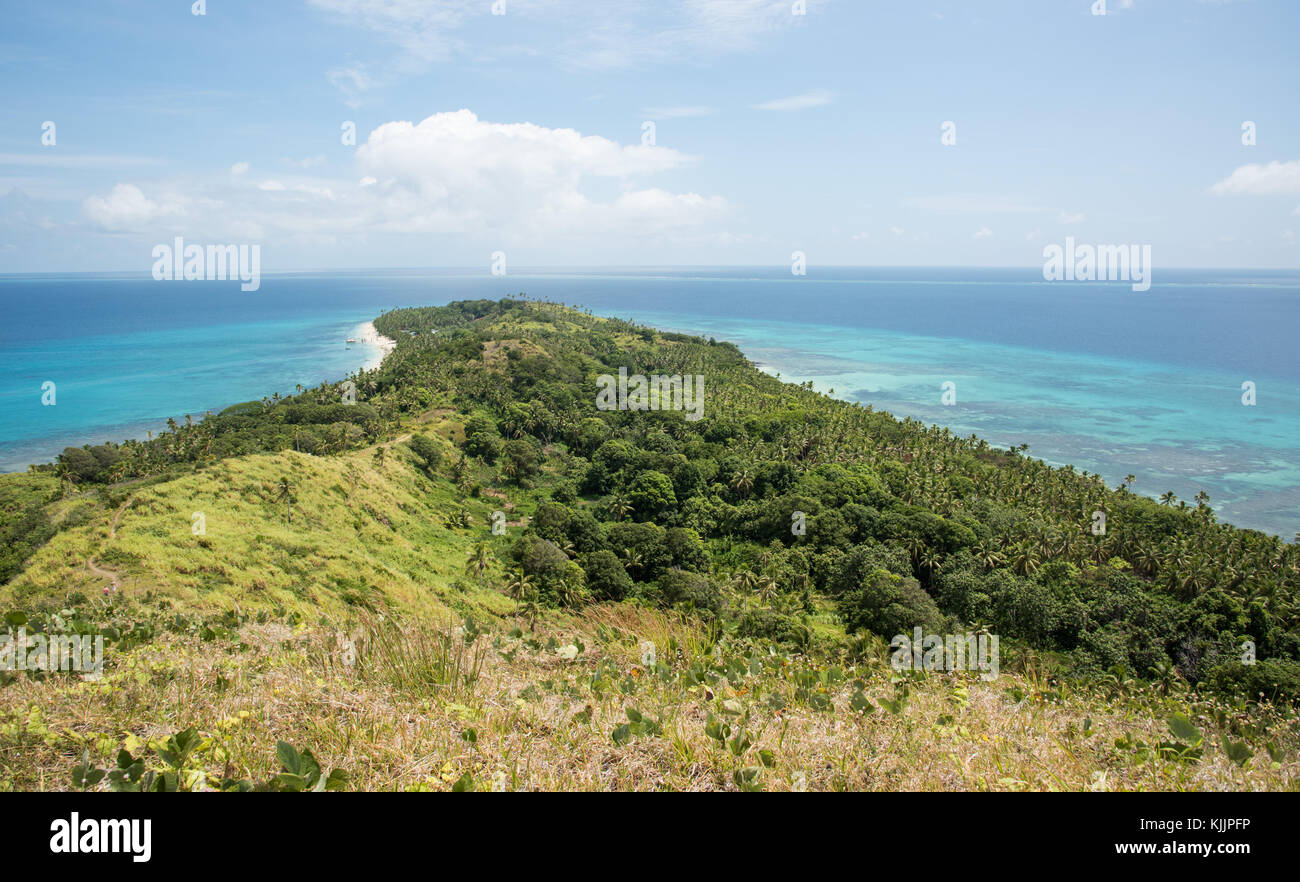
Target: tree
519,585
480,560
652,494
286,493
427,452
743,481
520,462
887,604
482,439
621,507
606,577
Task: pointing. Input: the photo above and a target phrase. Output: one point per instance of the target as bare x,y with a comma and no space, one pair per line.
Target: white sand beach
367,335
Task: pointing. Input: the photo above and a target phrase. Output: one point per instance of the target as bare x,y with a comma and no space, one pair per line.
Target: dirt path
115,581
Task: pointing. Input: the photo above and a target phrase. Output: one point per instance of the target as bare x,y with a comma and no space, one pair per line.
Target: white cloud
969,203
125,208
983,233
1072,217
453,170
626,34
239,168
860,237
676,112
1273,179
61,159
816,98
450,173
352,81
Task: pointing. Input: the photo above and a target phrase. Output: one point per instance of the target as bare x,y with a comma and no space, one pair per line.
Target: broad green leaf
1237,751
1183,729
288,756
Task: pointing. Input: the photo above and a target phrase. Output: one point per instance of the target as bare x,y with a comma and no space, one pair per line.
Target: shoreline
368,335
365,334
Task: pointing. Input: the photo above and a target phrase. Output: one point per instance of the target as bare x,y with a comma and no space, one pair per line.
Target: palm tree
67,478
1025,559
478,561
633,560
1168,498
743,481
766,588
520,585
932,561
286,493
745,580
524,591
620,507
988,554
1165,676
570,594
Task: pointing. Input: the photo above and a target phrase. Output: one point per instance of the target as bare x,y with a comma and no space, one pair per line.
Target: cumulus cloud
449,173
125,208
452,171
1256,179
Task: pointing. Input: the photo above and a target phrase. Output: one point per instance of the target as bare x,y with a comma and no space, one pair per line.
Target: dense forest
904,524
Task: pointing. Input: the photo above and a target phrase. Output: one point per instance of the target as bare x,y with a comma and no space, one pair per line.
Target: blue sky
524,132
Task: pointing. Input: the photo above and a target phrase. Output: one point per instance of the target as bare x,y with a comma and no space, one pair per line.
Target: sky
648,132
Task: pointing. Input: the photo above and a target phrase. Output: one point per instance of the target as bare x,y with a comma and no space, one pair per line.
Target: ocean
1095,375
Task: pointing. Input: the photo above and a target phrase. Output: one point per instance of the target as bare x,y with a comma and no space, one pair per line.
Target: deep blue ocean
1092,374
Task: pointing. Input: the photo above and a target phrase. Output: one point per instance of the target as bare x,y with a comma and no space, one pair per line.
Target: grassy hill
643,616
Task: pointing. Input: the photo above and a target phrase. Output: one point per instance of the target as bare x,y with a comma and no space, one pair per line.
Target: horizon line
478,269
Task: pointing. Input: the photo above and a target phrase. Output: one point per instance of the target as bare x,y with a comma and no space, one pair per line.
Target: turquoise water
1092,375
1172,428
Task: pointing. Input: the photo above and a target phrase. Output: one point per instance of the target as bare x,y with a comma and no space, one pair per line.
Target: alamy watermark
181,262
75,835
82,653
1092,263
655,392
947,652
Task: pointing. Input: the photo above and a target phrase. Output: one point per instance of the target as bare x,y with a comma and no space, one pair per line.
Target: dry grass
397,714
